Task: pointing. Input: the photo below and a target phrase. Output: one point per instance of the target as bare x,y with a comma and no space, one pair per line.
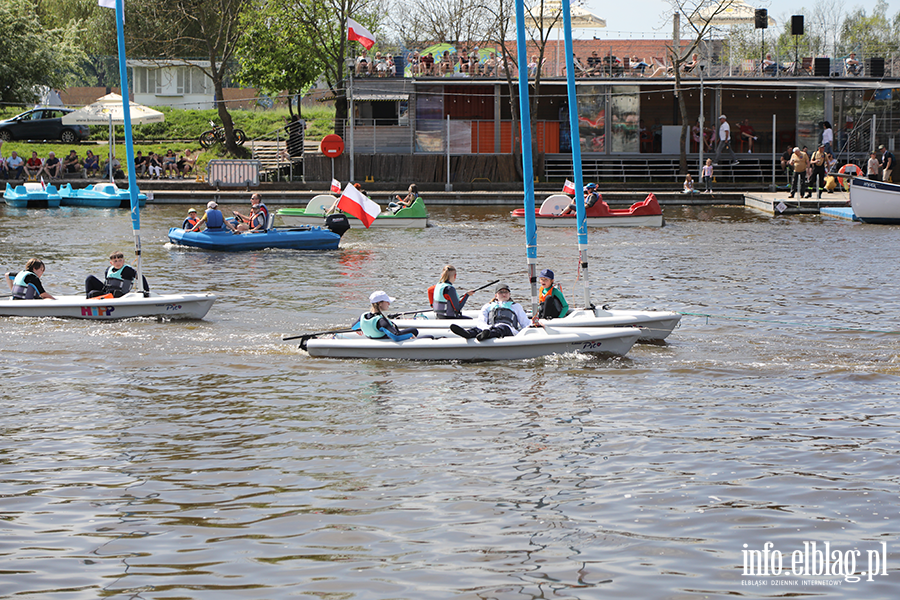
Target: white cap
380,296
211,204
722,117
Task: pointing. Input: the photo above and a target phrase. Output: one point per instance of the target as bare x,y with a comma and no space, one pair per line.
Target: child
688,185
872,166
707,176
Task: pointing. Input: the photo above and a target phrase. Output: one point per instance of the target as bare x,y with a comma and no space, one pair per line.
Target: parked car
42,123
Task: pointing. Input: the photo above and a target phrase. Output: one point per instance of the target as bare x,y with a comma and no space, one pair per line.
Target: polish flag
107,3
569,187
336,186
357,32
355,203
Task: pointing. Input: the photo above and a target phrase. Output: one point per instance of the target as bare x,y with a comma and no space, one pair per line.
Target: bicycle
217,135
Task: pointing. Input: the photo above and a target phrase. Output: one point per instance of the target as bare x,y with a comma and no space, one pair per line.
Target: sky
653,18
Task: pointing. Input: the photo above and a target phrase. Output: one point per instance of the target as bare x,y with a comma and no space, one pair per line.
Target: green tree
870,35
175,29
274,54
43,57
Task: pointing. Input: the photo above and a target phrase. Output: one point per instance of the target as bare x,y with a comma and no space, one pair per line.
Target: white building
179,84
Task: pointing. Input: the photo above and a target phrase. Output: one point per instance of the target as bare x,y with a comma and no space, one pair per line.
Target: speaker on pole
797,25
761,18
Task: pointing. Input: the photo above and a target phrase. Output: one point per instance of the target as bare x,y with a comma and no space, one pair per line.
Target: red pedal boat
646,213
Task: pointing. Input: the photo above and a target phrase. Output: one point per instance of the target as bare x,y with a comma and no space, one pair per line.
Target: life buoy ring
848,169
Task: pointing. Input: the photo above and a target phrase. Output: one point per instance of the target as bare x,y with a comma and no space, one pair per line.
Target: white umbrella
730,12
552,13
110,110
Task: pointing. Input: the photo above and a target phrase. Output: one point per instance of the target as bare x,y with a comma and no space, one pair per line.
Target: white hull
655,325
624,221
530,343
875,201
386,222
172,306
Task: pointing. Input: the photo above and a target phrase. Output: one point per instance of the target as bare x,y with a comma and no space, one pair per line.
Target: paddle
318,333
425,310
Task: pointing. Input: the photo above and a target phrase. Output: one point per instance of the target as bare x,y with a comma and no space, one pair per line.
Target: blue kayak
31,195
301,238
101,195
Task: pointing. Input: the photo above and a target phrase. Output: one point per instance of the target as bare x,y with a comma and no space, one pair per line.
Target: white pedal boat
655,325
528,343
171,306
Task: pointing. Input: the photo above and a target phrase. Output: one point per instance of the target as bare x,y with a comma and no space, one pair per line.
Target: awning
380,97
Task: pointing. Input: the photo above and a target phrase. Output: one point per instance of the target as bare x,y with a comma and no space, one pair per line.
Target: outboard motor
337,223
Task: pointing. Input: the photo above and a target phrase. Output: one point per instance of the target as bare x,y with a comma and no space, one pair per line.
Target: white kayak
531,342
655,325
172,306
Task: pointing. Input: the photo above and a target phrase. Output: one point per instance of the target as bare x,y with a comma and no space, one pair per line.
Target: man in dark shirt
887,163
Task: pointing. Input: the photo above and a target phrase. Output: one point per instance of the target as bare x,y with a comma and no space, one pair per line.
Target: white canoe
875,201
529,343
655,325
172,306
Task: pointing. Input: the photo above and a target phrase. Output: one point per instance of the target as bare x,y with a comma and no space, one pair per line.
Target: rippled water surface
210,459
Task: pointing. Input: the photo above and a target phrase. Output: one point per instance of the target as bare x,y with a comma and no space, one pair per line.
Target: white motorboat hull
623,221
385,222
655,325
170,306
875,201
529,343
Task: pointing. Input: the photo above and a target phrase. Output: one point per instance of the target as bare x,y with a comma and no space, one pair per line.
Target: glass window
624,108
592,118
810,114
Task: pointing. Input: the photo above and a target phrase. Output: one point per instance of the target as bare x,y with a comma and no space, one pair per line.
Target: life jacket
503,314
368,323
189,223
550,306
265,211
441,306
22,290
214,219
115,284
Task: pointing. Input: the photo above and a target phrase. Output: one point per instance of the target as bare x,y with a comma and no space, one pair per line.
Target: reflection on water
209,459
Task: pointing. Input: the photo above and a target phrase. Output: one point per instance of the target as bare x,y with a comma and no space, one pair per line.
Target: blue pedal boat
298,238
31,195
101,195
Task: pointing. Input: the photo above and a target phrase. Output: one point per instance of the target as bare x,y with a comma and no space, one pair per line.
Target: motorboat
100,195
134,304
646,213
414,216
875,201
32,194
441,344
307,237
655,326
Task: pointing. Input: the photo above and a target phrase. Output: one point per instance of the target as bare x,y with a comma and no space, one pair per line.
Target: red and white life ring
849,169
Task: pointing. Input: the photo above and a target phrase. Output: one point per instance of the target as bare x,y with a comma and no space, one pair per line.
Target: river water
209,459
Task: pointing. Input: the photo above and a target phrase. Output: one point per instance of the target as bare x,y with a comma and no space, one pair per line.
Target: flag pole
129,145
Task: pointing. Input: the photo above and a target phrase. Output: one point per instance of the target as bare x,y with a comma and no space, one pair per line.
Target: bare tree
699,15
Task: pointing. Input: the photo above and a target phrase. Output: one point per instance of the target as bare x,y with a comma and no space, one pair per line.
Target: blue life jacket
214,219
442,308
22,290
503,314
368,323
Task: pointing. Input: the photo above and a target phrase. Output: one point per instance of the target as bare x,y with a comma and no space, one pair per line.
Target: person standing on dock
799,162
725,141
887,164
818,174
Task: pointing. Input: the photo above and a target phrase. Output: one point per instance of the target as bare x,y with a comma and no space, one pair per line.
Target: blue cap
547,273
591,185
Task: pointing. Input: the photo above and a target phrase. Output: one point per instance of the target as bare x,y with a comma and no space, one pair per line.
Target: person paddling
376,325
447,305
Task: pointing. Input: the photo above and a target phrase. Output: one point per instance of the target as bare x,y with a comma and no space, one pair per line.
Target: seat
748,66
806,66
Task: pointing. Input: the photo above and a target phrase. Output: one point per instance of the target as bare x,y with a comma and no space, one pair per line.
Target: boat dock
778,203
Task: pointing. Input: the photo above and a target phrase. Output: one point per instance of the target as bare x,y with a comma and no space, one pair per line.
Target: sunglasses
115,256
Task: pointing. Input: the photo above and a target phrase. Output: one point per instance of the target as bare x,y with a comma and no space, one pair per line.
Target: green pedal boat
415,216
